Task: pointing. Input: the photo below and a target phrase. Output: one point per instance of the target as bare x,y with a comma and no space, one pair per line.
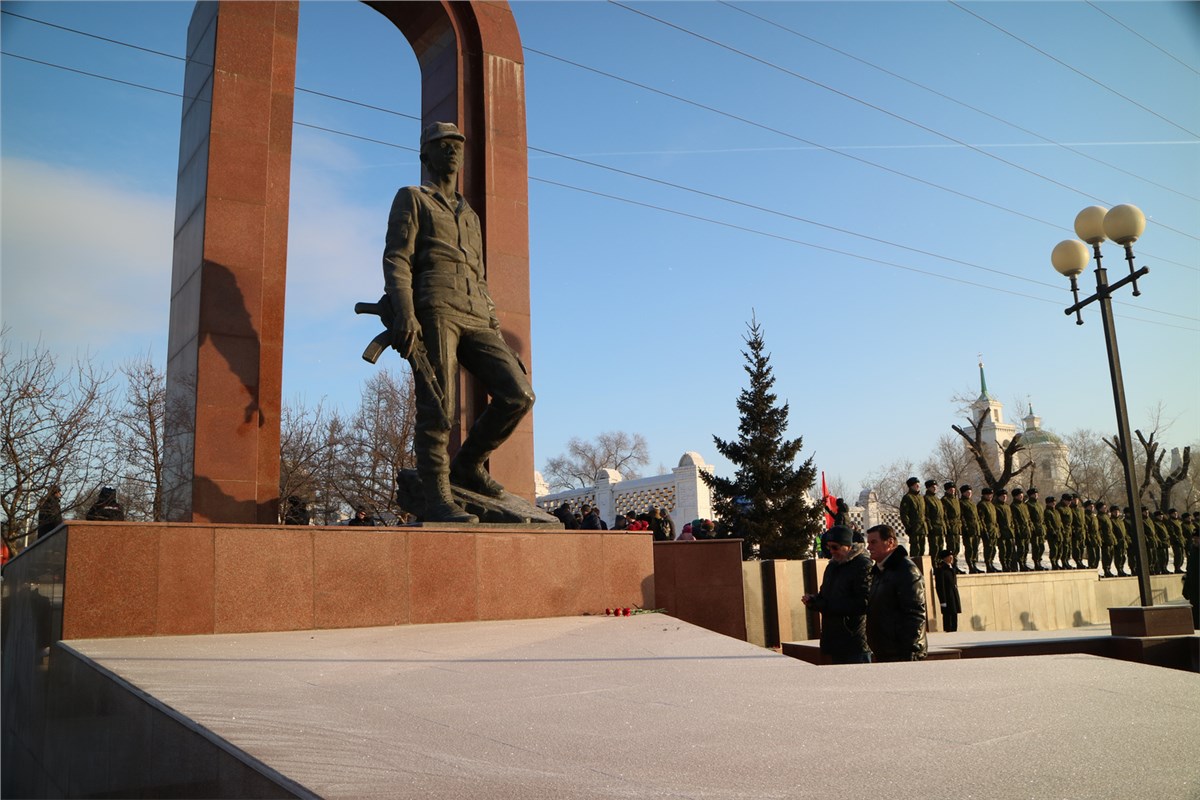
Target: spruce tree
764,503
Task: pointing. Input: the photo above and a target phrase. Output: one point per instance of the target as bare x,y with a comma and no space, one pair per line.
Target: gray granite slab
648,706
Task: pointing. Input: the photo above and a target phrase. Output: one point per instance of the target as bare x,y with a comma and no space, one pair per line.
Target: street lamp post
1123,224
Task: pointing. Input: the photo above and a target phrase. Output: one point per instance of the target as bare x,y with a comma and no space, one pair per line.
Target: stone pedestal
1151,621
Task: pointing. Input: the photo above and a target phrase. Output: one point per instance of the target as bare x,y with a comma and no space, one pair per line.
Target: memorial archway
225,350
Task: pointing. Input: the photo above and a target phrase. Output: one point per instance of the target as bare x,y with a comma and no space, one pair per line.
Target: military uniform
1022,531
1004,524
1164,541
1178,540
952,519
1078,531
912,516
1108,541
989,532
1037,529
1120,539
935,524
970,529
1052,528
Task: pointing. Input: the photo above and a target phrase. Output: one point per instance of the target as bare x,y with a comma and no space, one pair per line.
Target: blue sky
879,183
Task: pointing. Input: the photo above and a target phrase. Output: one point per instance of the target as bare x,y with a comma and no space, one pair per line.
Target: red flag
829,501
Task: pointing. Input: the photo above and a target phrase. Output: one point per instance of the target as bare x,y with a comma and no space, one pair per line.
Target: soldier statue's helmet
949,485
966,487
911,481
440,130
931,482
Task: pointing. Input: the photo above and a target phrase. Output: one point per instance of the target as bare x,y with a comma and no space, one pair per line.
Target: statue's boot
466,470
439,503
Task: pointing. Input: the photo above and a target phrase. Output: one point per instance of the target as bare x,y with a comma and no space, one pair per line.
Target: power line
820,146
1162,50
675,212
954,100
1080,73
653,180
872,106
665,94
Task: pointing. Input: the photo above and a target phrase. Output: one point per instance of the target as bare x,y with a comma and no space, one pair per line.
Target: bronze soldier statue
442,315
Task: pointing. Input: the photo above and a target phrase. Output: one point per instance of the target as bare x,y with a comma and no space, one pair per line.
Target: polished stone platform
648,706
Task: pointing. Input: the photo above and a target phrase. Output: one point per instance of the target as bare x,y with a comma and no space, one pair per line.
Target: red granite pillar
225,348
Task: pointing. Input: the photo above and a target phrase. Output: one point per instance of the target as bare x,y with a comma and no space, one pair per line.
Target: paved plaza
648,706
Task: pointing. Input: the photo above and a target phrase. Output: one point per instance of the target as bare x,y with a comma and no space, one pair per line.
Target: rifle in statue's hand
418,358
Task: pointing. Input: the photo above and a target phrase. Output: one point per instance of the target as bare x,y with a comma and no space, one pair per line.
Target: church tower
1048,454
996,433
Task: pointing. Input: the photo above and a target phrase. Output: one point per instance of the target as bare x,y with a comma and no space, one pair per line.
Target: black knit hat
839,534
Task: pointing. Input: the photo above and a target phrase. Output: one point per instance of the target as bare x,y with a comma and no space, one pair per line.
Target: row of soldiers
1093,535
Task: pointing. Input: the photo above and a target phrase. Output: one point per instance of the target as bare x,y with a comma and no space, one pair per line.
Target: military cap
911,481
1032,490
440,130
948,485
1049,499
1002,491
1018,491
930,482
987,490
1087,503
1101,504
966,487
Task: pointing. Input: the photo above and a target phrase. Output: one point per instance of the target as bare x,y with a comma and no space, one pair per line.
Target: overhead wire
873,106
1155,45
633,175
1078,72
955,100
710,109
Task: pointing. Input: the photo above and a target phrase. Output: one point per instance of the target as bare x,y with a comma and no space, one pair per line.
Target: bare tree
55,433
1152,466
308,440
580,466
950,461
1093,470
888,482
138,435
378,443
978,450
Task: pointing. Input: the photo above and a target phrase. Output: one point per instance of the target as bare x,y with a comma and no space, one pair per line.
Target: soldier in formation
1037,528
912,516
1052,524
1022,531
970,529
988,527
935,524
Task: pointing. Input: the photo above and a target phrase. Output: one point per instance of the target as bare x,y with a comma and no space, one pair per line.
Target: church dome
1039,436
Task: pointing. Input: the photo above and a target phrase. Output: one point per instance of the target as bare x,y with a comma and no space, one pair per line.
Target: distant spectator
361,519
708,530
5,552
620,523
658,526
563,512
296,512
945,583
842,599
1191,576
685,534
50,511
106,508
592,521
637,524
896,611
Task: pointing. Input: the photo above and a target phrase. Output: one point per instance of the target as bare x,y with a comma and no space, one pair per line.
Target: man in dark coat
896,610
945,583
50,511
842,599
106,508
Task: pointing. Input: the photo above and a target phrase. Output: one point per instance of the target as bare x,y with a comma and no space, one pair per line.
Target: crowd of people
655,519
1027,533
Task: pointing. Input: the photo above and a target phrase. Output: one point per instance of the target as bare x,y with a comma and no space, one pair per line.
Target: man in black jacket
896,610
842,599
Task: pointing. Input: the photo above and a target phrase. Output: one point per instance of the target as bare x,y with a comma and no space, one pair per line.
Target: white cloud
84,262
